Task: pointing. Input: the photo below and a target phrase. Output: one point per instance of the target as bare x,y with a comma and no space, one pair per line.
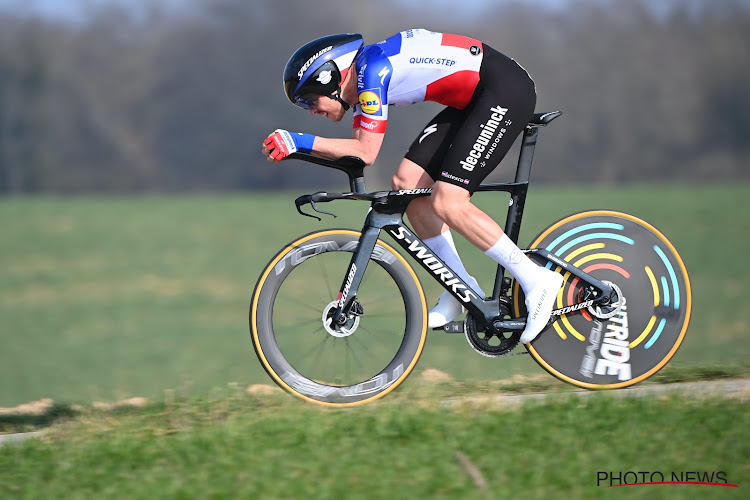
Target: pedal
452,327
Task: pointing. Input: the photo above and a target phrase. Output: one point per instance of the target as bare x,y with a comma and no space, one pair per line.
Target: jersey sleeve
374,72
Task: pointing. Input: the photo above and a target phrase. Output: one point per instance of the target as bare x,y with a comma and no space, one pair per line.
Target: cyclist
489,99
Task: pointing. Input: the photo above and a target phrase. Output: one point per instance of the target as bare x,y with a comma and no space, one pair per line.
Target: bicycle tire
638,341
291,340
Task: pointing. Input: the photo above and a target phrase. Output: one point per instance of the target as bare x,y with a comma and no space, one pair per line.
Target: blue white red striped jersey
414,66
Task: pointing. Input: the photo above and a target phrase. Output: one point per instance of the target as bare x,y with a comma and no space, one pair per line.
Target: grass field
228,444
107,298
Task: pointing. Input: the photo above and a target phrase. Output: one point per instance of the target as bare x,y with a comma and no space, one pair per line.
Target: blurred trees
160,98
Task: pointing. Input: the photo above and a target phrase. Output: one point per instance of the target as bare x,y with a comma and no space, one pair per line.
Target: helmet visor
304,103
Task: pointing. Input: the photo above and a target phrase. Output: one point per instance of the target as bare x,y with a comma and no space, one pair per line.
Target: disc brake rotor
335,330
613,308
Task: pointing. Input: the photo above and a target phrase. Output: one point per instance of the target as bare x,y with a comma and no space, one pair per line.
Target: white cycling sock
508,255
448,308
444,247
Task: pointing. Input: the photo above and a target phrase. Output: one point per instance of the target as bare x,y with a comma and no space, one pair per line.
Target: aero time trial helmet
319,67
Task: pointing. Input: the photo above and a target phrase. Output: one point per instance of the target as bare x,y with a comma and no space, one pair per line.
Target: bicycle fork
347,304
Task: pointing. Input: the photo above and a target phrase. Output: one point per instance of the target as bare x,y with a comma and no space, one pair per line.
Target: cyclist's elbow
368,146
369,159
368,152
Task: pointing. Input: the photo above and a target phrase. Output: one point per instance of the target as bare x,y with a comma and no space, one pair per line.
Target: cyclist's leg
452,204
417,170
421,167
499,112
421,216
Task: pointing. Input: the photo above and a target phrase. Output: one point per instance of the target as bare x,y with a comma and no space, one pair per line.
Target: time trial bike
339,317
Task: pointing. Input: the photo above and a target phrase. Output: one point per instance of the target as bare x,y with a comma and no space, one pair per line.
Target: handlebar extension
351,165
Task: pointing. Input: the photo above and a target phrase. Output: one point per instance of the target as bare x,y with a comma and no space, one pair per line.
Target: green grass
105,298
228,444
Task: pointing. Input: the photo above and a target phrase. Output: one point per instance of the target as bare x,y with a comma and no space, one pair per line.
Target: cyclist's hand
282,143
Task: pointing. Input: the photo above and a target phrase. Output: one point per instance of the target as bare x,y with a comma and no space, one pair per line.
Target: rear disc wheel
626,342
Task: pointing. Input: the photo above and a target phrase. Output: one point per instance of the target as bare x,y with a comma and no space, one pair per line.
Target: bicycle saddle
542,119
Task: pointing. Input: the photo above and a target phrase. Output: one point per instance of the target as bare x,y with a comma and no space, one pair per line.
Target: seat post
525,157
523,173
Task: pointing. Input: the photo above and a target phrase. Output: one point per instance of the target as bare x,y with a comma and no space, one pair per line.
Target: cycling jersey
414,66
489,99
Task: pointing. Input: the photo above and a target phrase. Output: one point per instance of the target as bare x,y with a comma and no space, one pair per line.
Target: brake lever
303,200
312,203
310,198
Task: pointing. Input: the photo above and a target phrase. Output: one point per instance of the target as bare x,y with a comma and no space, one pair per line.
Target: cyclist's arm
363,144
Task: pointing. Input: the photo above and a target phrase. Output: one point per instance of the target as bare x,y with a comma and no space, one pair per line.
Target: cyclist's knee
449,202
445,207
410,176
399,182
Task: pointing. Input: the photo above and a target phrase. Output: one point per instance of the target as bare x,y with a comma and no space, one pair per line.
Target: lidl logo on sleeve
369,100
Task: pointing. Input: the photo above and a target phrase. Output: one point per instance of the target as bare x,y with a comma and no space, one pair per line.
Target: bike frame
386,214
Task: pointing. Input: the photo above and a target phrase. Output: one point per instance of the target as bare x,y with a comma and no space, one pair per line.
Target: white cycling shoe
539,303
448,308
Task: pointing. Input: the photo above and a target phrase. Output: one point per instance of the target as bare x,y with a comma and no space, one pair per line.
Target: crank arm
604,288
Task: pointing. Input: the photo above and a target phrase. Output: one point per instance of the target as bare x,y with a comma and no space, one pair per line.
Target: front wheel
350,364
637,338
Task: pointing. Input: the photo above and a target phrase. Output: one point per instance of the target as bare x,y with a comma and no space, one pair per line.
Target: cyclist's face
325,106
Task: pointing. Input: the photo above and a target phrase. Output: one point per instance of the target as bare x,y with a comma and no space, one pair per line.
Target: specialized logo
324,77
453,177
414,191
312,60
572,309
429,130
383,73
489,136
475,50
428,260
369,100
349,279
539,305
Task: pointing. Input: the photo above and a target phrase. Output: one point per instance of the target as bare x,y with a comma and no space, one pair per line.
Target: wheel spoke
290,329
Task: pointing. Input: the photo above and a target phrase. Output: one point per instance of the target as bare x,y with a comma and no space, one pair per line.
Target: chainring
489,344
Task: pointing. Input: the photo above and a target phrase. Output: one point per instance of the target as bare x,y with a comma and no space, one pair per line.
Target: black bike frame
387,210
